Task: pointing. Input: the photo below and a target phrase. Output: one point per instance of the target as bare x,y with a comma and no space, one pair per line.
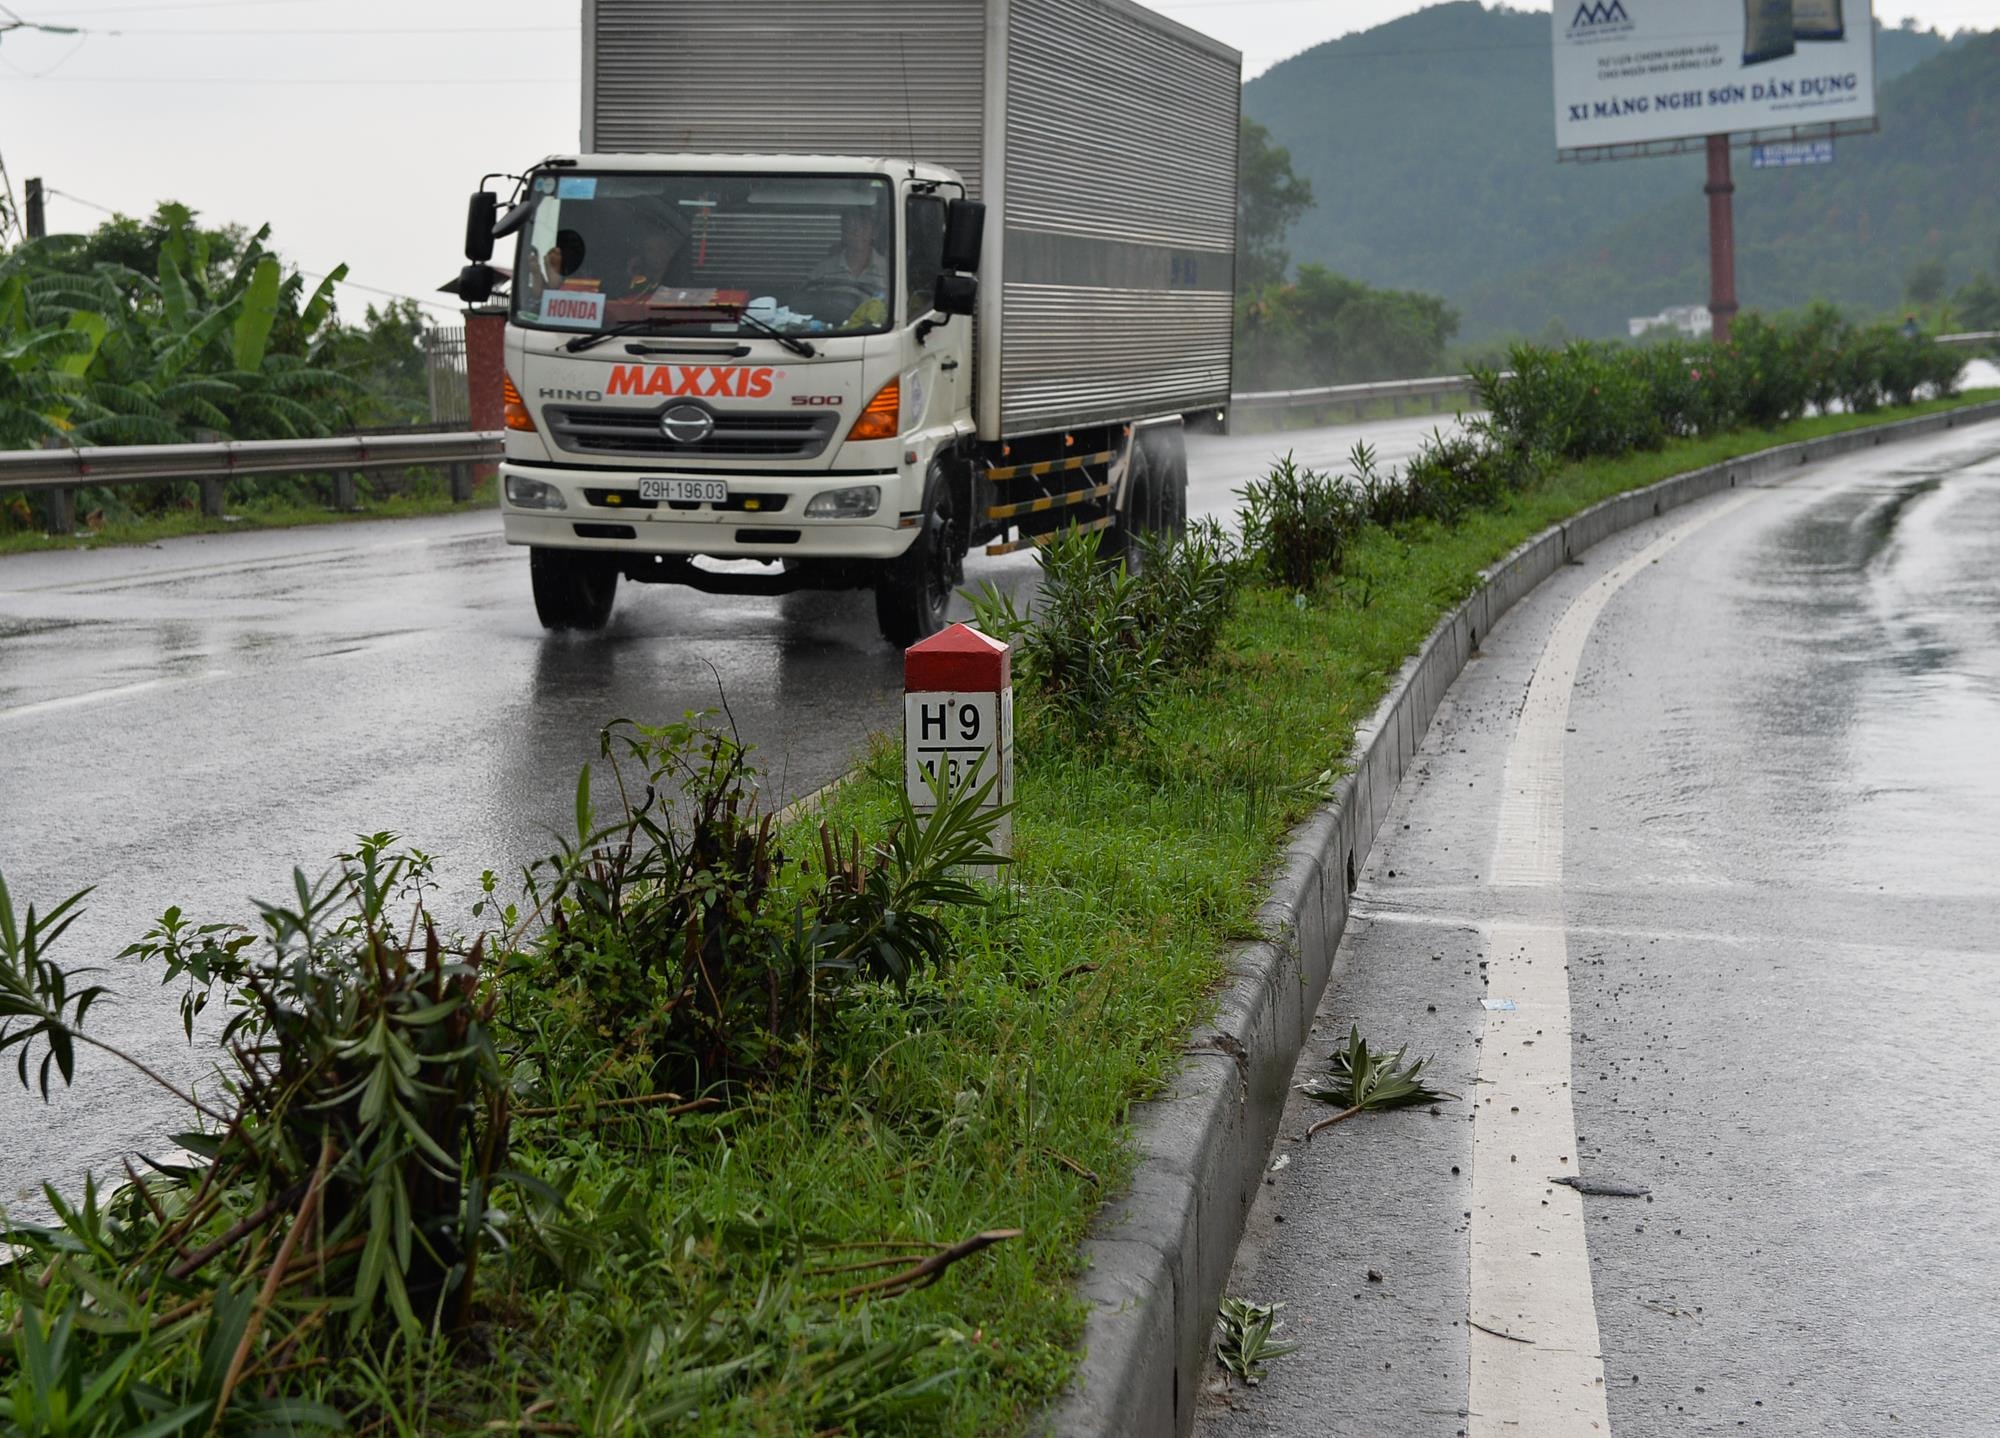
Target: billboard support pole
1721,239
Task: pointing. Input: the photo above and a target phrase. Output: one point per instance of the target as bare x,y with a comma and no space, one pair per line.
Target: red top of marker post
961,660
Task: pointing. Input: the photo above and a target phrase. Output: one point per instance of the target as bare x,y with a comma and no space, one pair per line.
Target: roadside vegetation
163,331
714,1124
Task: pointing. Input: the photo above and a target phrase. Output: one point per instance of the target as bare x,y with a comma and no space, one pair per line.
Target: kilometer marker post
958,721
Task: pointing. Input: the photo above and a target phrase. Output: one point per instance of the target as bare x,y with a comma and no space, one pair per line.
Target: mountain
1430,145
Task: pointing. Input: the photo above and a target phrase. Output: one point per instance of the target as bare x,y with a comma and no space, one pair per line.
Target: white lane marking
223,568
1468,920
1536,1368
99,696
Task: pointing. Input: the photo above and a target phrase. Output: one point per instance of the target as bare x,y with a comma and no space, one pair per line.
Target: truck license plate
698,491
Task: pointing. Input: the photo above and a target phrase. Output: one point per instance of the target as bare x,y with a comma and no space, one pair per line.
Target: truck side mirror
513,219
964,231
479,215
477,281
956,294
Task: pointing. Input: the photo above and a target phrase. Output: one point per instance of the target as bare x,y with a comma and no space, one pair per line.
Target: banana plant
214,338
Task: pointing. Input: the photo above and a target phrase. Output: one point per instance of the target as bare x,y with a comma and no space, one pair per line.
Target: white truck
848,286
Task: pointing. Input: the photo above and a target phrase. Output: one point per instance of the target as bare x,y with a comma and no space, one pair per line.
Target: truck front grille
740,435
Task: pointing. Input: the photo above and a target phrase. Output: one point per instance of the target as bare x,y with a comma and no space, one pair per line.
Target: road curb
1158,1257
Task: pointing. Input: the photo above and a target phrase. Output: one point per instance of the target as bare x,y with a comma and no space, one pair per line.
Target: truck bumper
601,512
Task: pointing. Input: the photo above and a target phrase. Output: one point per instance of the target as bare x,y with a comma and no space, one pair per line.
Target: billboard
1632,72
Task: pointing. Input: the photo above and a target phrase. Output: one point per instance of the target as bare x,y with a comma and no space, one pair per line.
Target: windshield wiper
797,346
629,327
802,348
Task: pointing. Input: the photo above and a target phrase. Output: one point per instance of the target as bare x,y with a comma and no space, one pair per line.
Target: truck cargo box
1101,136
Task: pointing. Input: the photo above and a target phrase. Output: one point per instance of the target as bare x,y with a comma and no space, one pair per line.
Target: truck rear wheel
1170,466
573,590
913,590
1155,494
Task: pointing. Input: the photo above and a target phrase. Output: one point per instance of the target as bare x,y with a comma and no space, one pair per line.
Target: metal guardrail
1354,393
64,470
137,463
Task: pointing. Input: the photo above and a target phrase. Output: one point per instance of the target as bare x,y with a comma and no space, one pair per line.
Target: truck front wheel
573,590
913,590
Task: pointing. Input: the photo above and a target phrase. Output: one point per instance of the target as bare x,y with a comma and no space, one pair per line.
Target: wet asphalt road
1780,894
182,724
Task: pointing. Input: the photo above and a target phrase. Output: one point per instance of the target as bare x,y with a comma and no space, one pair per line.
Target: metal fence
444,367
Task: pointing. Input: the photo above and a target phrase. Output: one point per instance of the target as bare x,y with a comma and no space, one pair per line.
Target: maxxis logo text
702,380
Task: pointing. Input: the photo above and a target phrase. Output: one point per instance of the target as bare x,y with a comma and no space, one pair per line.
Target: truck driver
855,275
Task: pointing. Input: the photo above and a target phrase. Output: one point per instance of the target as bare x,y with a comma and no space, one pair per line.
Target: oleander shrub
1187,589
1102,640
1766,373
1690,386
686,953
1820,331
1582,400
1296,524
1588,400
1452,475
1862,367
1921,366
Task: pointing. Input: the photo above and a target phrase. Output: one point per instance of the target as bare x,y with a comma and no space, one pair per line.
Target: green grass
998,1097
422,497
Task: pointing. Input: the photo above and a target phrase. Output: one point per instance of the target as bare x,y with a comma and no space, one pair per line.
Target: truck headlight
856,502
525,493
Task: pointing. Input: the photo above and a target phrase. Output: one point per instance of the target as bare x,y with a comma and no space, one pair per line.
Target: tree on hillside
1269,197
1327,329
1925,285
1977,305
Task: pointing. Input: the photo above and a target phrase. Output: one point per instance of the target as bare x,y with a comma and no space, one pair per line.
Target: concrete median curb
1158,1258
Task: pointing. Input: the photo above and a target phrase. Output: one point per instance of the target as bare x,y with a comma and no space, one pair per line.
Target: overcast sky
356,127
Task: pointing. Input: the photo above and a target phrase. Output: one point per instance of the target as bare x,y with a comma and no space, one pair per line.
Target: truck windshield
803,254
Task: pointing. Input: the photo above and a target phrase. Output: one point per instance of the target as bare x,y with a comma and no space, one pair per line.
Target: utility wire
309,274
185,5
212,80
78,199
9,21
358,33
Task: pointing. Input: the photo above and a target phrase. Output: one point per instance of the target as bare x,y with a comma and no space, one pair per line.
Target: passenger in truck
564,258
